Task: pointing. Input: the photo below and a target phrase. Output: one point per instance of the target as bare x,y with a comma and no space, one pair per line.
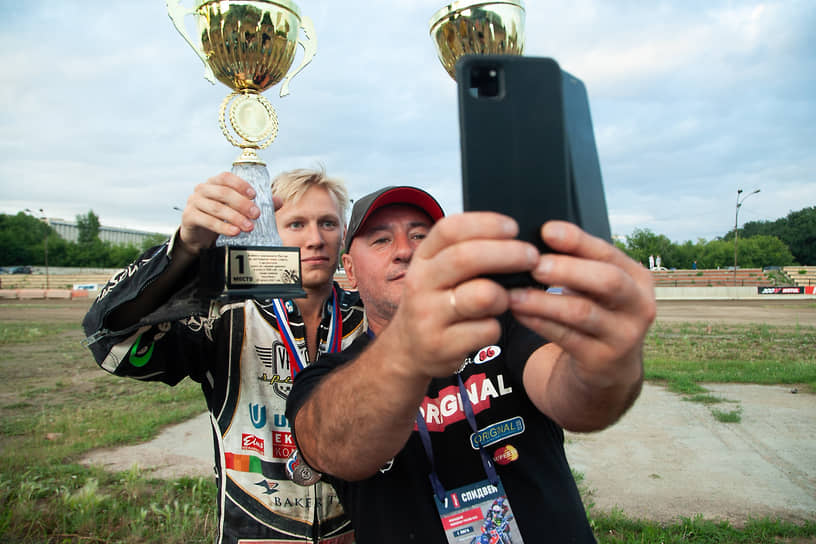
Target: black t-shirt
396,504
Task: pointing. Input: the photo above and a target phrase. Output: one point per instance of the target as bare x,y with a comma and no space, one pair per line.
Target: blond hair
292,185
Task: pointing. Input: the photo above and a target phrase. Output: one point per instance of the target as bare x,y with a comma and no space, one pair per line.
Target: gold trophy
249,46
472,27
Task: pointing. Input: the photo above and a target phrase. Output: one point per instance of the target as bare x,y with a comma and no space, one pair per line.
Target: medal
299,472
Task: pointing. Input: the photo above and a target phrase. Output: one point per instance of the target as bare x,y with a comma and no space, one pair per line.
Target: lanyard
425,436
487,463
335,336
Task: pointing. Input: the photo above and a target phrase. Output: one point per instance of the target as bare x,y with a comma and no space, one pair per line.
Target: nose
403,248
314,238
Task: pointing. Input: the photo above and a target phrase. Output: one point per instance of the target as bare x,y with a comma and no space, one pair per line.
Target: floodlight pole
736,228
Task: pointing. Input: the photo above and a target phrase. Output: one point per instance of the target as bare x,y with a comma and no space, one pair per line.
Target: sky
106,107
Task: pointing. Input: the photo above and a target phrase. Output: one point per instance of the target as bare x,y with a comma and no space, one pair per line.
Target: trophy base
242,272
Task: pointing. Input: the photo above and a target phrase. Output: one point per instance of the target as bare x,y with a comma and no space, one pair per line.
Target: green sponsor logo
136,359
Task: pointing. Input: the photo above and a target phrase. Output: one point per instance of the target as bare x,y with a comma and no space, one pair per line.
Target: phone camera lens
485,82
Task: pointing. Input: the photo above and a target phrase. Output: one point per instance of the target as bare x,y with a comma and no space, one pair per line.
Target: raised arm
362,414
593,370
222,205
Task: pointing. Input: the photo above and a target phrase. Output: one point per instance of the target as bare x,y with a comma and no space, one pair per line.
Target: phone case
527,147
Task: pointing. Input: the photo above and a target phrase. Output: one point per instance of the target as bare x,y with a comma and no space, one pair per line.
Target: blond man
147,324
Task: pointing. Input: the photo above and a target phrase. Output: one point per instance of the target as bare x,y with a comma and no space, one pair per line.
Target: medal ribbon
335,335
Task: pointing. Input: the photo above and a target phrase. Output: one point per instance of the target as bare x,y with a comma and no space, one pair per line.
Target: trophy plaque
249,46
473,27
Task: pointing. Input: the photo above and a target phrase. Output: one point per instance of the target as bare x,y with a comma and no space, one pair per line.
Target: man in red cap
454,402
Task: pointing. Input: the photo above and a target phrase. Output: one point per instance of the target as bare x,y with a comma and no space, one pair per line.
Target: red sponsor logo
250,442
282,444
487,354
446,407
505,455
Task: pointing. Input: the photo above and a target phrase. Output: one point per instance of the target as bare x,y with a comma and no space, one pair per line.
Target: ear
343,239
348,266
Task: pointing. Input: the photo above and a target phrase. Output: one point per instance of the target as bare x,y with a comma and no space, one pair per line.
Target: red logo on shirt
487,354
446,408
282,444
252,443
505,455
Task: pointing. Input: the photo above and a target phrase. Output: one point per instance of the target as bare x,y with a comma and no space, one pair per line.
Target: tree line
790,240
26,240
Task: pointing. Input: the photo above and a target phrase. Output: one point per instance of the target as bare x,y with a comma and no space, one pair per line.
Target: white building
117,236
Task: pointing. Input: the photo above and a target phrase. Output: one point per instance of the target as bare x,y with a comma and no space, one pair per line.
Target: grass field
55,404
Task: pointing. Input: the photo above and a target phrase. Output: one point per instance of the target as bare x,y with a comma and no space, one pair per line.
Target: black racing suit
236,353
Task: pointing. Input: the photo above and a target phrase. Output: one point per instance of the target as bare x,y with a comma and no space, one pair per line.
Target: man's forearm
361,415
579,404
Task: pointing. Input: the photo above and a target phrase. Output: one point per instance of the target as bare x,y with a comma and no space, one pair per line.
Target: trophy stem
265,232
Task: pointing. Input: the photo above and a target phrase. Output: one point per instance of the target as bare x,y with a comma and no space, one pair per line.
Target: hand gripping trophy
473,27
249,46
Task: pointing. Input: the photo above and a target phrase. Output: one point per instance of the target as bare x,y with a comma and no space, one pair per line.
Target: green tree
801,235
716,254
88,254
151,241
88,226
23,242
644,242
121,256
797,230
761,251
22,239
684,255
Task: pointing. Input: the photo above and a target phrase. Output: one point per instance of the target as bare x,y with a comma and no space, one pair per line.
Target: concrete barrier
719,293
24,294
30,294
58,293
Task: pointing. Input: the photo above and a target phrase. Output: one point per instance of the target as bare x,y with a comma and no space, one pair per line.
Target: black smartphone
528,148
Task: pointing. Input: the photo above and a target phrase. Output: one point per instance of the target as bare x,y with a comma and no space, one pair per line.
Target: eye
418,235
296,225
330,224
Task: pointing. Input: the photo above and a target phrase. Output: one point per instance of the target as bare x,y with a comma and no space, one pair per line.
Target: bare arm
362,414
593,371
222,205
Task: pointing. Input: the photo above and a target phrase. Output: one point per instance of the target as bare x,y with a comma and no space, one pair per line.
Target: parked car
21,270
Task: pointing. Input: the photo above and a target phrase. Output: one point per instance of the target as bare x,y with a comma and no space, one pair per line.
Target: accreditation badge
477,513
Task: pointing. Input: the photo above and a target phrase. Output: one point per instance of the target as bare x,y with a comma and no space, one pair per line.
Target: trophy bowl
249,44
477,27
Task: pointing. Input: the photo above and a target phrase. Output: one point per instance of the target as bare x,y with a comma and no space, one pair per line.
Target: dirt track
666,458
771,312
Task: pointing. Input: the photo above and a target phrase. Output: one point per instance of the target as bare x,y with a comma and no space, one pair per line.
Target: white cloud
690,101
